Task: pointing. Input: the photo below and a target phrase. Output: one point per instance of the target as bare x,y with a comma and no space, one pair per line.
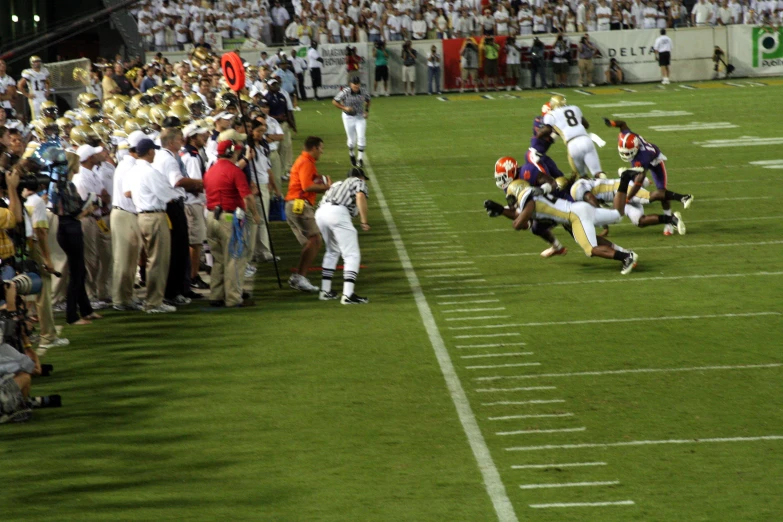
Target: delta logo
767,47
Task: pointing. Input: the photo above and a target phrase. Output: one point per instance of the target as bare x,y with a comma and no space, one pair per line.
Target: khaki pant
43,301
277,167
92,262
156,239
261,236
59,285
228,273
585,71
126,244
105,259
286,149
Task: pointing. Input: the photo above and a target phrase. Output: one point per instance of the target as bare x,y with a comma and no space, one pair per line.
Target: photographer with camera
409,68
381,67
537,63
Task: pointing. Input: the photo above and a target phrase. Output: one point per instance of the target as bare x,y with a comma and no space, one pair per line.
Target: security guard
228,199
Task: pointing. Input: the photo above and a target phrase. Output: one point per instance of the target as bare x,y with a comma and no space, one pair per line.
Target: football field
482,382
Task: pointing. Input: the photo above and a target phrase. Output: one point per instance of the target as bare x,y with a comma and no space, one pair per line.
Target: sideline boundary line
644,443
489,471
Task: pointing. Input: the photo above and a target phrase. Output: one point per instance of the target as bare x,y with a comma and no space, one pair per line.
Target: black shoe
245,296
353,161
353,299
193,295
217,304
199,284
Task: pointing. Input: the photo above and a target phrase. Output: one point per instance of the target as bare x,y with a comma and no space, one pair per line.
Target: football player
506,171
594,191
530,204
643,157
537,154
35,85
567,121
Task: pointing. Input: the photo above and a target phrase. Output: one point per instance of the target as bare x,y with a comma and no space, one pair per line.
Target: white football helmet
505,172
628,145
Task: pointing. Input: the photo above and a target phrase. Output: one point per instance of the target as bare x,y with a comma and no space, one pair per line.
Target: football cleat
628,145
668,230
505,172
679,223
327,296
553,251
630,263
353,299
686,201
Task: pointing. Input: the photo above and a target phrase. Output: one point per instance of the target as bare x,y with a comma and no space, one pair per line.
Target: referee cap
358,172
356,80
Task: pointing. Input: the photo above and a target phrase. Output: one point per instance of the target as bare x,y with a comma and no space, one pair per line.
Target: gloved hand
608,122
493,209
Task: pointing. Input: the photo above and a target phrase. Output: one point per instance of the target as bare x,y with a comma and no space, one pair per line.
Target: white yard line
460,274
583,504
474,301
570,484
520,388
466,295
641,319
521,403
668,247
430,242
492,345
509,365
478,318
628,224
485,327
644,443
631,371
563,465
533,432
448,251
460,310
485,355
492,481
532,416
447,263
487,336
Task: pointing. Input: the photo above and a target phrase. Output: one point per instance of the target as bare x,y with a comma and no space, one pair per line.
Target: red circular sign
233,71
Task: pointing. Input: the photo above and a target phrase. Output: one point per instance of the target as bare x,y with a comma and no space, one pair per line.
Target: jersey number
571,118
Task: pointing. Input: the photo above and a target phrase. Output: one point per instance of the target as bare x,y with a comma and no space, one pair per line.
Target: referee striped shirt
344,193
354,100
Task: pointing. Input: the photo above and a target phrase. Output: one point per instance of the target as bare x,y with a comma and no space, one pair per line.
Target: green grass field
658,393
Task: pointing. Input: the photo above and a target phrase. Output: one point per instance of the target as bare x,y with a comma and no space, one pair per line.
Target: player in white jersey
35,85
582,217
594,191
7,87
567,121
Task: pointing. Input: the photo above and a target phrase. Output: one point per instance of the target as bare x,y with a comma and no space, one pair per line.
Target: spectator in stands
702,14
110,86
280,18
419,27
149,81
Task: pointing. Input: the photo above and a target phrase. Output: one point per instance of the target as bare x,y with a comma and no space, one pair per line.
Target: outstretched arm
620,124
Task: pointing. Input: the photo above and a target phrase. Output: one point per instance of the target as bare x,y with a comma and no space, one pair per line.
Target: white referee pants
585,157
341,240
356,130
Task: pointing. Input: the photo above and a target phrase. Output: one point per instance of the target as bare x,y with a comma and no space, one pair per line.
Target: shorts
513,70
659,176
381,73
490,67
560,68
303,225
197,224
468,72
409,73
664,58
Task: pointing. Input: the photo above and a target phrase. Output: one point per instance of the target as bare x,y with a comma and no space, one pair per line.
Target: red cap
223,147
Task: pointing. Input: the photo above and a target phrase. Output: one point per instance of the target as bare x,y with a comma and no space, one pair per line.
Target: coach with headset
229,197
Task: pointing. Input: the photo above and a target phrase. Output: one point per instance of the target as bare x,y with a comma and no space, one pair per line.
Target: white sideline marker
475,301
430,242
652,114
485,327
533,432
466,295
485,336
493,345
690,88
447,263
638,370
460,310
533,416
492,482
478,318
507,354
523,388
645,443
570,484
522,403
638,319
584,93
620,104
583,504
510,365
694,126
564,465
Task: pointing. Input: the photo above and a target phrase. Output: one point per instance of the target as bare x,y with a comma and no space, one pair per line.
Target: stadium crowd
171,24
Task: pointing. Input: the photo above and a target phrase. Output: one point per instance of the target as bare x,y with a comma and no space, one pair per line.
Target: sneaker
180,300
304,285
686,201
97,305
199,284
297,109
668,230
285,177
679,223
552,251
54,344
387,94
162,309
271,259
250,271
190,294
353,299
293,281
327,296
124,307
59,308
630,263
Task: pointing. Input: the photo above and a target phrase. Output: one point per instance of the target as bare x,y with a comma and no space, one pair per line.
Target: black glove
493,209
608,122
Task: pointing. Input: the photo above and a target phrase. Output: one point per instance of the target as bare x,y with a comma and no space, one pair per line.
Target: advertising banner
756,51
334,74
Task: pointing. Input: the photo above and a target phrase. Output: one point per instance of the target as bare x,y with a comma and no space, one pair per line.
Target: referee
663,53
355,104
343,201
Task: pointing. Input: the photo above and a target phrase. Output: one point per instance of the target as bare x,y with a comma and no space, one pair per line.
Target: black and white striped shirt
344,193
354,100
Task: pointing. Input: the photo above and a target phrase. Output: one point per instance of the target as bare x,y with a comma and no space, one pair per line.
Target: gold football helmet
103,132
119,118
88,100
109,104
92,115
135,124
557,101
85,135
179,111
34,59
45,129
515,190
143,112
49,110
195,105
158,113
65,125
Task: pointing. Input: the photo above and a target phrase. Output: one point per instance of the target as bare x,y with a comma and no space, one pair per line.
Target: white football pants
341,239
585,157
356,130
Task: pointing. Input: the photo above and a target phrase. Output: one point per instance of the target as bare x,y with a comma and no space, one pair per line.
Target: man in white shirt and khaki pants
663,53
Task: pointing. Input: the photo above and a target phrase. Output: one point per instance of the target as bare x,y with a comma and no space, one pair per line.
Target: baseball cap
356,80
192,130
144,146
224,116
271,81
223,146
87,151
232,135
135,137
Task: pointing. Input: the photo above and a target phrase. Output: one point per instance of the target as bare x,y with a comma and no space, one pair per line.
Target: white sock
667,212
557,245
361,154
348,288
326,285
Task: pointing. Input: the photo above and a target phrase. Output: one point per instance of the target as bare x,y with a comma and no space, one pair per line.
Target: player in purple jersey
539,147
643,157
